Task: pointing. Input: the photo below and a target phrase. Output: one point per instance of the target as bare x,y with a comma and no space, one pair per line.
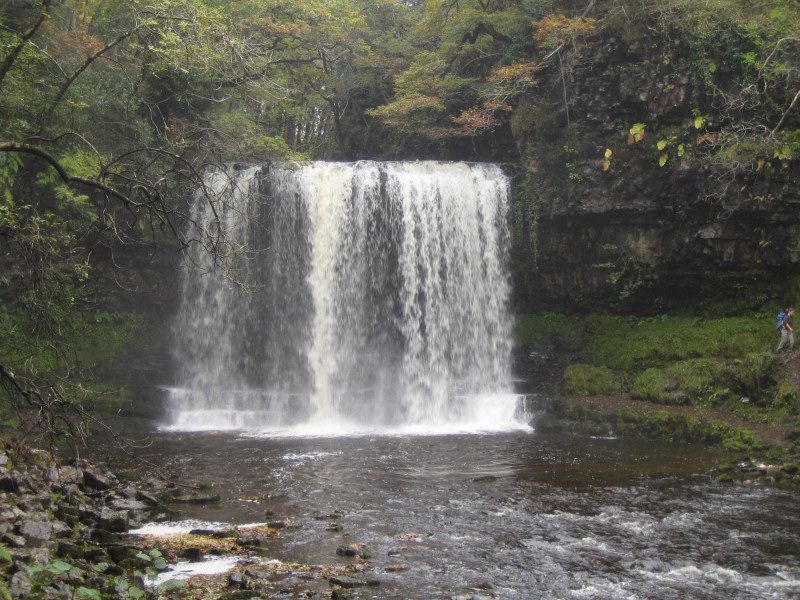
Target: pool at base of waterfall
515,515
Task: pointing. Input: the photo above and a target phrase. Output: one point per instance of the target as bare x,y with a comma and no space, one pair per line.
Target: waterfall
347,297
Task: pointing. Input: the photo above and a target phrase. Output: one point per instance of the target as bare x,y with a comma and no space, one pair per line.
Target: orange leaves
78,43
554,31
477,119
521,73
397,113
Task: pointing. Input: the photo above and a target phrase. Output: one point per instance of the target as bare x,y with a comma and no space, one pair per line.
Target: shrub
752,374
585,380
694,376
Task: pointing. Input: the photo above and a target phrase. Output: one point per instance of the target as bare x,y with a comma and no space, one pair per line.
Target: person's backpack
781,317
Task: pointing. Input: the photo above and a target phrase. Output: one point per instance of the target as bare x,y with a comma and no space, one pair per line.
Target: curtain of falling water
363,293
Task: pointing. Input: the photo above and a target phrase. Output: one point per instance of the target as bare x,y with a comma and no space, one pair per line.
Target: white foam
169,528
184,569
480,414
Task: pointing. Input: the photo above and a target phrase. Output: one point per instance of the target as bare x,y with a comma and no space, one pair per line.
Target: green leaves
636,133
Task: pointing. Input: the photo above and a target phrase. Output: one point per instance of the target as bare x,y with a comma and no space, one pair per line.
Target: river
518,515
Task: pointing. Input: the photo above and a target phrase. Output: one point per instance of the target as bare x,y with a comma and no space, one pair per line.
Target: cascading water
348,297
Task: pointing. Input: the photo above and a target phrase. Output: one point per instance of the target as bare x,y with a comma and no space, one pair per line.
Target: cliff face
617,202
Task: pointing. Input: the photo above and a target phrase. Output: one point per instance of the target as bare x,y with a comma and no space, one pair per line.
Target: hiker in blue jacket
787,330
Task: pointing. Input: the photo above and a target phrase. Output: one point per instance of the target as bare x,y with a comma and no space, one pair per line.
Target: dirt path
773,433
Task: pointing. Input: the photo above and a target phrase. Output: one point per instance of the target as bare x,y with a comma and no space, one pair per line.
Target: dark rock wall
638,236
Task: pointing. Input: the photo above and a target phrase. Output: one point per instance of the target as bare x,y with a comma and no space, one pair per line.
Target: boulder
191,554
96,479
36,531
112,520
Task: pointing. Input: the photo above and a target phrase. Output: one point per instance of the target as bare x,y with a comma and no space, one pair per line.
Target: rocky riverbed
72,529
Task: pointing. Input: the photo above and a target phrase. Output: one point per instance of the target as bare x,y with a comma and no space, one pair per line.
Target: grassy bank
715,381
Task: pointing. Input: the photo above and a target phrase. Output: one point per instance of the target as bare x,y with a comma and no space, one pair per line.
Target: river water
517,515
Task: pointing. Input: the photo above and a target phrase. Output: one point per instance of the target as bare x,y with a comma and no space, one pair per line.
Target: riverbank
691,379
72,529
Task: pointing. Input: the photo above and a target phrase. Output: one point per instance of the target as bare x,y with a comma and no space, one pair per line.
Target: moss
695,376
666,425
628,343
651,385
536,330
583,380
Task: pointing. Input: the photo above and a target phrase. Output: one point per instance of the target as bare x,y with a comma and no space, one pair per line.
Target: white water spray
355,297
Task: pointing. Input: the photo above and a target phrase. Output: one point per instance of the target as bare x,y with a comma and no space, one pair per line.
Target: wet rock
340,593
235,579
278,524
127,504
147,498
241,595
196,499
103,536
352,582
397,568
396,551
250,541
332,516
350,550
112,520
191,554
484,478
215,533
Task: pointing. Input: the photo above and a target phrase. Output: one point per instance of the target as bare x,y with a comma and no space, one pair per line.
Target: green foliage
65,336
5,555
786,397
695,376
629,343
584,380
666,425
651,385
752,374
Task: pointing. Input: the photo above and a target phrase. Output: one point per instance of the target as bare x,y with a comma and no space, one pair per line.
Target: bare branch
62,172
